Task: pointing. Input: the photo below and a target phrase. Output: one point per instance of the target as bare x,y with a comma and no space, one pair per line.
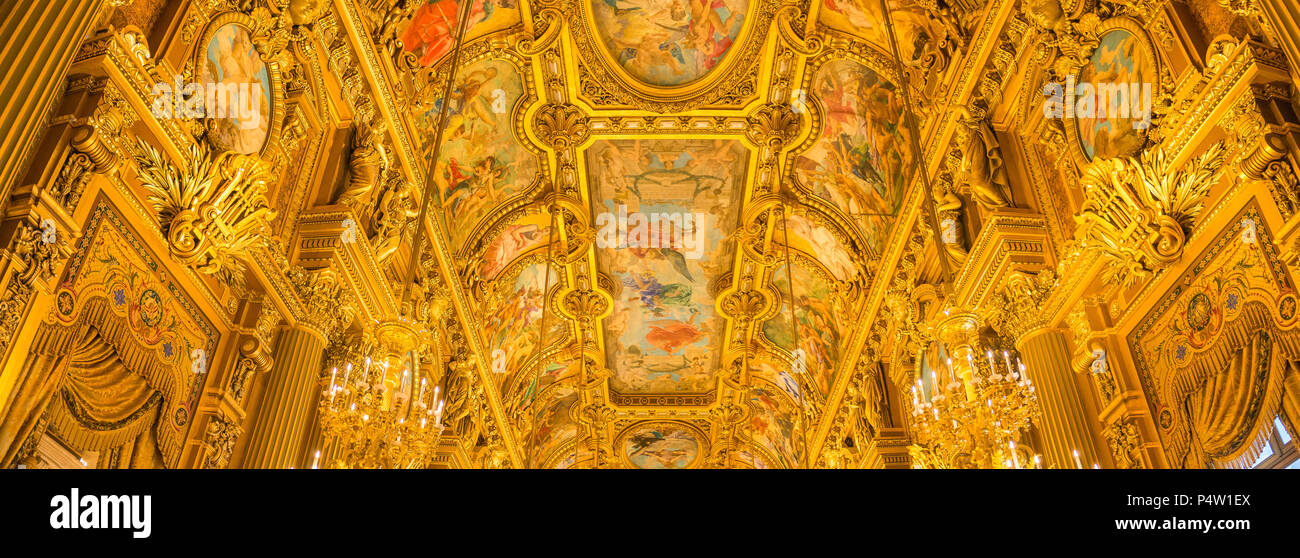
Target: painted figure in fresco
673,256
480,163
772,425
827,247
669,42
431,33
232,60
656,296
671,335
657,449
512,241
859,161
819,344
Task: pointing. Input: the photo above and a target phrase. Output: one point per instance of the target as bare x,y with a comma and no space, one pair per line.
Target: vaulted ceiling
689,168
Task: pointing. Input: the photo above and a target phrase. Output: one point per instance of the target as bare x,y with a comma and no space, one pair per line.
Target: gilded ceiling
650,233
656,131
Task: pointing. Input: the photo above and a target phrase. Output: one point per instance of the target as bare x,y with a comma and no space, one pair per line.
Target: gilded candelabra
374,417
971,415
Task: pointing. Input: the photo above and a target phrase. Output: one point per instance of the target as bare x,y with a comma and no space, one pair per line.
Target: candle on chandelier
970,360
1015,456
1007,356
423,381
1077,464
333,373
1038,462
1096,466
347,374
992,369
1024,371
315,462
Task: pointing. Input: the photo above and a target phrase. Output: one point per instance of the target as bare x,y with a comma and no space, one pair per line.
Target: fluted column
1064,425
1021,311
42,37
289,404
1284,17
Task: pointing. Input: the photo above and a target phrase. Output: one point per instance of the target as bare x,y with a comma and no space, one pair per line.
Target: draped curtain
1231,413
103,406
77,389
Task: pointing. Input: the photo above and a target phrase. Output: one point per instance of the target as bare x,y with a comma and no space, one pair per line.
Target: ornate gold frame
1133,27
596,67
276,111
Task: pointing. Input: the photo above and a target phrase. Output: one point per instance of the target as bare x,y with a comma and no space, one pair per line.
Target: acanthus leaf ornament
561,125
212,211
774,125
1138,211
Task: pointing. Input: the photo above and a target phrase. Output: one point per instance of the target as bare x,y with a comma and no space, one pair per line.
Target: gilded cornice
1200,103
1009,241
320,242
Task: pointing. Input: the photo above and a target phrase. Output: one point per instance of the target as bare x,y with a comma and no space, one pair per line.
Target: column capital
1017,310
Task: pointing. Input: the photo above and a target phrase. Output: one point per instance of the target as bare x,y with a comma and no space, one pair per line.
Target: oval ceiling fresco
662,446
668,42
1122,61
231,60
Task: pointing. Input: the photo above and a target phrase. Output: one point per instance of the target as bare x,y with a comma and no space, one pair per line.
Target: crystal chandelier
971,413
373,415
376,417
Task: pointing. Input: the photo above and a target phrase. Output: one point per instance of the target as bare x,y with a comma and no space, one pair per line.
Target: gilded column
1046,354
43,37
289,404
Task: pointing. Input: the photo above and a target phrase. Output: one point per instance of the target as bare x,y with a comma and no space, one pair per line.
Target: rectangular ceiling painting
663,210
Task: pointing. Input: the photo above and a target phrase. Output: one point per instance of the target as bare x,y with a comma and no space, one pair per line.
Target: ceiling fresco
480,161
667,234
861,161
667,207
430,33
668,42
642,139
